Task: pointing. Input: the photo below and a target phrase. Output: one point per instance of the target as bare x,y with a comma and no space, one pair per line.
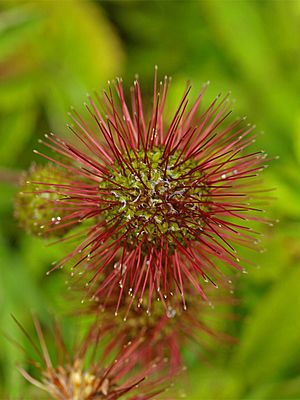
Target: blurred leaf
286,390
286,193
283,235
16,26
209,383
78,54
18,293
50,66
16,130
297,138
271,341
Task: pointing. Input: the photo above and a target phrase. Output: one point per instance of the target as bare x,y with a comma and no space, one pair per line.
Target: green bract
154,195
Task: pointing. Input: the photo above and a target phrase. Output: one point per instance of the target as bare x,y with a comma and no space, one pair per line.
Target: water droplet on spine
171,312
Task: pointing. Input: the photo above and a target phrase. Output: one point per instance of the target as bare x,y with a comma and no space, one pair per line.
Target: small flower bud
38,207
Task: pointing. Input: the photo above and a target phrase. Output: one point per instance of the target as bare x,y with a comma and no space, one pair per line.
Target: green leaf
15,132
16,26
270,342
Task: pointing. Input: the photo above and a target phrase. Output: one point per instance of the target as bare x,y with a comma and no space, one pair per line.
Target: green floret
154,198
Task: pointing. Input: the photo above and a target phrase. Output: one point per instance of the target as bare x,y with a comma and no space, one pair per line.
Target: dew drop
171,312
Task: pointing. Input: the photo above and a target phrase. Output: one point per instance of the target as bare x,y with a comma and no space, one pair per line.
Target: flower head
88,373
167,328
170,198
36,208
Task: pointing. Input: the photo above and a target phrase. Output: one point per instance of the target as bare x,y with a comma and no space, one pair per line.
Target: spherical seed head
172,196
168,326
38,209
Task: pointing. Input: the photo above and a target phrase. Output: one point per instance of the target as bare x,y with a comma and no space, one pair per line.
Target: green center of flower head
152,196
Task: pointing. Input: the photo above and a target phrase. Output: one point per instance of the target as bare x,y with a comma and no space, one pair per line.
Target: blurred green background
53,53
